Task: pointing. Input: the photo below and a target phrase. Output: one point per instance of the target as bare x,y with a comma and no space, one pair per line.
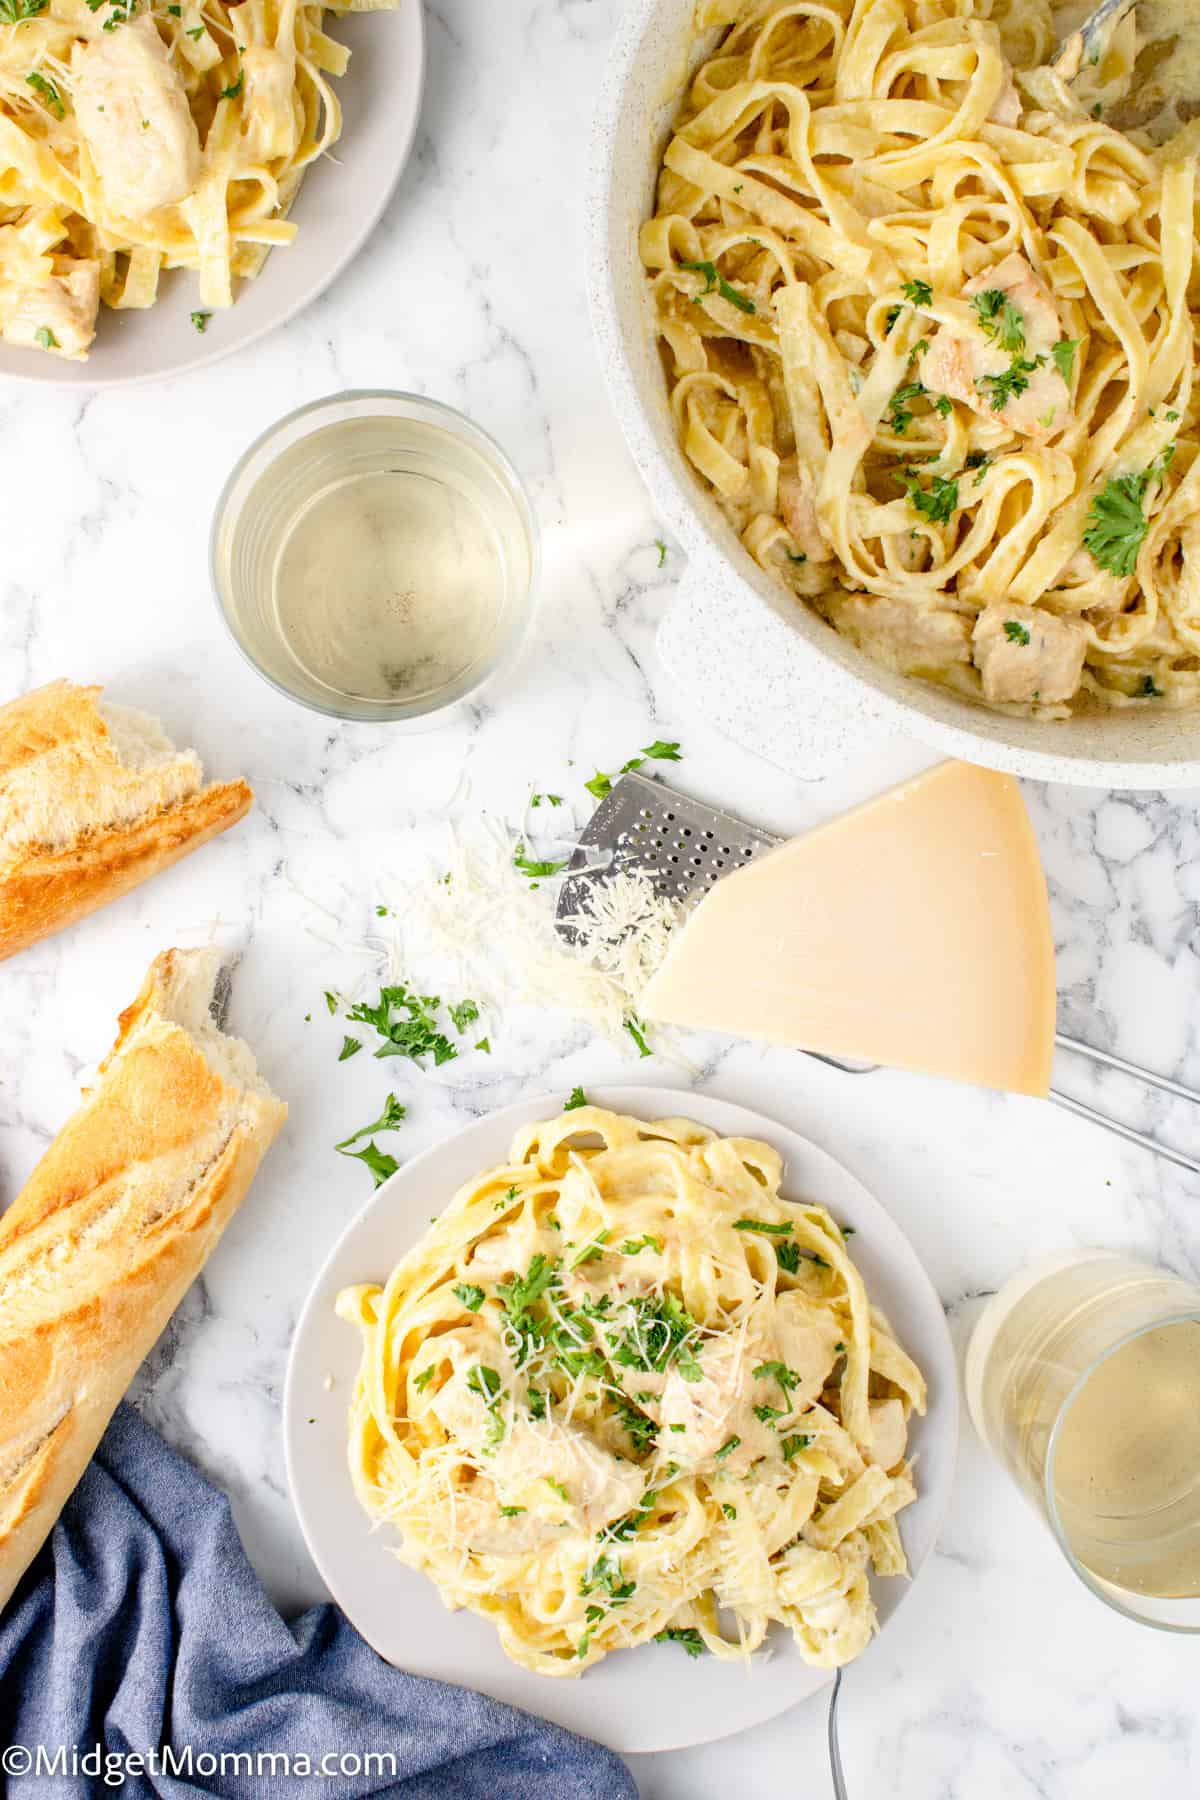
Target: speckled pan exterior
769,673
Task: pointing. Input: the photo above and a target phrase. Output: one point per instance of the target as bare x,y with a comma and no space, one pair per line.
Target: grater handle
755,678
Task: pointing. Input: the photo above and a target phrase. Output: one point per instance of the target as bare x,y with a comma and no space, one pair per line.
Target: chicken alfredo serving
929,324
139,137
621,1384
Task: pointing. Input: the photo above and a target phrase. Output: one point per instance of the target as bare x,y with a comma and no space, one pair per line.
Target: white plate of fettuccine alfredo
726,1356
184,177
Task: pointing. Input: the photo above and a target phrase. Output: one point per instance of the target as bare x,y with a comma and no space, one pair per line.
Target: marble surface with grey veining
1001,1678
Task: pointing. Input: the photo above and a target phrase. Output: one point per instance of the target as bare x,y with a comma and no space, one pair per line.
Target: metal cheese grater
684,847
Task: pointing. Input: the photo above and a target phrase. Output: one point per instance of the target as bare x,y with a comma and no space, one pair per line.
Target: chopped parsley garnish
483,1381
660,1334
1011,381
575,1098
195,32
917,293
1150,689
331,1002
536,869
464,1014
942,405
687,1635
350,1047
715,281
893,313
422,1381
937,503
235,88
470,1295
790,1445
1116,524
978,459
788,1258
48,92
556,1487
592,1251
640,1428
510,1512
46,338
1001,321
729,1511
390,1119
762,1226
1015,632
1063,355
378,1161
485,1046
662,551
796,556
414,1035
778,1371
633,1246
899,416
519,1297
678,1427
537,1403
200,323
767,1414
637,1032
730,1444
15,12
600,785
661,751
607,1576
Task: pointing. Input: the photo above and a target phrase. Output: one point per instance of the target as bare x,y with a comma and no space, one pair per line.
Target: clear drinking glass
1083,1379
374,556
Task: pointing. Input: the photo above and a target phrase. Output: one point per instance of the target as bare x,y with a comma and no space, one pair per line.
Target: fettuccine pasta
621,1386
930,330
140,137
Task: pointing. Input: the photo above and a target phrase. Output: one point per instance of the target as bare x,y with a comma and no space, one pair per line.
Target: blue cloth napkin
142,1625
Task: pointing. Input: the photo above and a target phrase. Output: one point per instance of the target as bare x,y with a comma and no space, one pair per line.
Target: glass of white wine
374,556
1083,1379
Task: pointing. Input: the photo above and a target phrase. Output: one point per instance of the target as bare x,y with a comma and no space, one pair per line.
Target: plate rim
77,376
647,1100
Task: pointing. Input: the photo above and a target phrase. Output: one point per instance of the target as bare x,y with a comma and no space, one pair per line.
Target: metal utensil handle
1127,1068
835,1753
1124,1131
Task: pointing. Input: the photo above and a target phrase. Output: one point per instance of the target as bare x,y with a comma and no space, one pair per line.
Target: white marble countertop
1001,1676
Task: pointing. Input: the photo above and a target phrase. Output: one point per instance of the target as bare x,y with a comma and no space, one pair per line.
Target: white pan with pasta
181,178
640,1414
902,332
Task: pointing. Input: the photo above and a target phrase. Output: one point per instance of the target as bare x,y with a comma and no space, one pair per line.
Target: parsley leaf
484,1044
917,293
1011,381
235,88
937,503
1150,689
716,281
389,1119
47,92
415,1035
510,1512
15,12
1116,524
350,1047
536,871
633,1246
663,752
788,1258
593,1251
662,551
761,1225
378,1161
1063,355
331,1002
1015,632
607,1575
637,1032
422,1381
899,416
778,1371
471,1296
687,1635
600,785
464,1014
790,1445
1002,322
200,324
730,1444
575,1098
46,338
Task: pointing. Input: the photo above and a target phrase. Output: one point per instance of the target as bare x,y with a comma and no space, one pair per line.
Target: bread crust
48,888
111,1229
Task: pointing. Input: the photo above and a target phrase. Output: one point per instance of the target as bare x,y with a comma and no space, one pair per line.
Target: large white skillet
768,673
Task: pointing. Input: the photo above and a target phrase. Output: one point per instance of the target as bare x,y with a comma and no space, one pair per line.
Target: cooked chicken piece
706,1409
798,510
962,366
807,1337
909,639
889,1432
1025,654
268,102
59,316
135,119
1006,107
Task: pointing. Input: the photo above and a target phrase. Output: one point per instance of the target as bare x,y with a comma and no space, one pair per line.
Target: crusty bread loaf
93,799
113,1226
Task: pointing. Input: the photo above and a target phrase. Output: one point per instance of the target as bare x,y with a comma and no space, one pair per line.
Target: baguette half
113,1226
94,798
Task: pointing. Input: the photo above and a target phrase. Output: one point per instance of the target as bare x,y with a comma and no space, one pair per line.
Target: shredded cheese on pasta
930,329
622,1385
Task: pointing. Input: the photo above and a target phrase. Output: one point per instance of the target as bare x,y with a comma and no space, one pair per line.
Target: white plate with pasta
185,177
662,1399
